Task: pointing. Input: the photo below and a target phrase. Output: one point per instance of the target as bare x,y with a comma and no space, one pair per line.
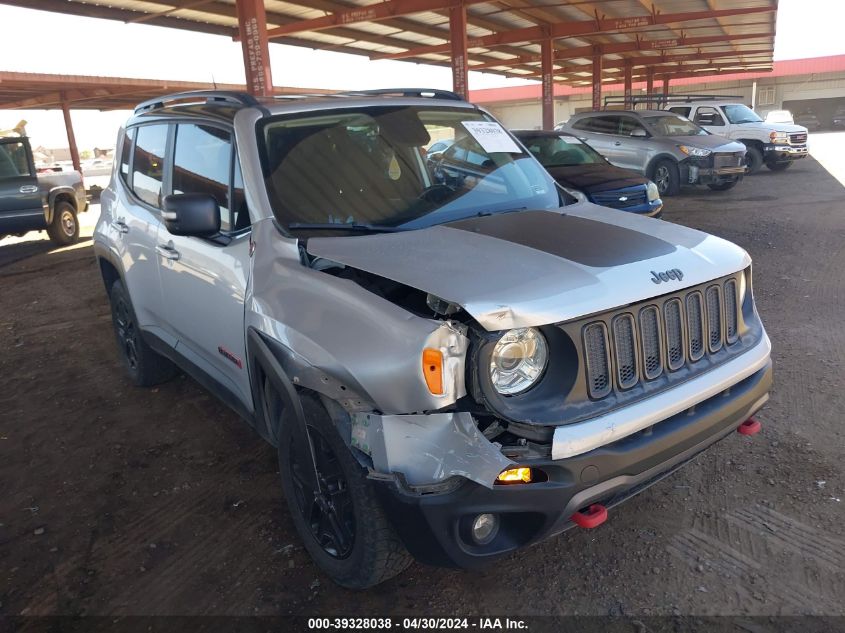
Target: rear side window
682,110
148,163
202,163
600,124
126,153
13,160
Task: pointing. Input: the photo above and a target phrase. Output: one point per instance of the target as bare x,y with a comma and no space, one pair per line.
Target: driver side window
707,115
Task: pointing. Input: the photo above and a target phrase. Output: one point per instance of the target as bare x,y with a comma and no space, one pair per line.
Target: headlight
779,137
652,191
518,361
695,151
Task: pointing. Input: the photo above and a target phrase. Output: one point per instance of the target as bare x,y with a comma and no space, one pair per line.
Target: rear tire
780,166
667,177
365,550
753,159
144,366
64,229
723,186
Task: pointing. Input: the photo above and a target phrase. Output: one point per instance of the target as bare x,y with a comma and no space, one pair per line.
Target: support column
458,42
252,27
71,137
597,60
548,72
649,80
665,88
628,85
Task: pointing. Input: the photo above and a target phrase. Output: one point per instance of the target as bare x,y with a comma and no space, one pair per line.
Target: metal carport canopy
31,91
557,41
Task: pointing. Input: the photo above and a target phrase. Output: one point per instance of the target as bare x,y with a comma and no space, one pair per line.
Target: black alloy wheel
327,510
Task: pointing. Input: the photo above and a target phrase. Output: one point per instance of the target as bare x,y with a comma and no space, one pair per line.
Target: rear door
204,280
21,206
601,132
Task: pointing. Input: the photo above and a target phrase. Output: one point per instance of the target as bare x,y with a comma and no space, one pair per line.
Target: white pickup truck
776,145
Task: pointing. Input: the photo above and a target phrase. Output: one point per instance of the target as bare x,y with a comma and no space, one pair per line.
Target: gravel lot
120,501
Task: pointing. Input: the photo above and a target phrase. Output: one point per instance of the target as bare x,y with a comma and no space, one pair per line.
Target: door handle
28,189
168,252
617,143
120,226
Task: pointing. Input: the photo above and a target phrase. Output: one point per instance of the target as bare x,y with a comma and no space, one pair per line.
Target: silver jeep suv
453,357
663,146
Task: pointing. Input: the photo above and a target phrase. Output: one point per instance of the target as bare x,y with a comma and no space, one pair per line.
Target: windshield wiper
338,226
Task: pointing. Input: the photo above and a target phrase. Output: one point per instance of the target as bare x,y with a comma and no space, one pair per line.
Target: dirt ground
116,500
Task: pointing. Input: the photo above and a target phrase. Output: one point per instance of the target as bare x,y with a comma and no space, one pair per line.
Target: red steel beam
71,137
655,60
458,48
252,27
704,72
372,13
578,28
649,79
547,71
624,47
628,84
597,79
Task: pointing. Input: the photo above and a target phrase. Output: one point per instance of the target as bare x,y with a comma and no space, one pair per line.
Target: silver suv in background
454,361
667,148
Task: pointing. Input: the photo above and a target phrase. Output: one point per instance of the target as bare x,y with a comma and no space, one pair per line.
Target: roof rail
219,96
431,93
659,99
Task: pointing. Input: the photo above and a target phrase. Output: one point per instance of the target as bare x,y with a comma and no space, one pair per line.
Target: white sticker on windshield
491,136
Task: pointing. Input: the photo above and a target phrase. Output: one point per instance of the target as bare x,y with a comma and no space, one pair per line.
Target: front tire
780,166
342,526
667,177
144,366
64,229
753,159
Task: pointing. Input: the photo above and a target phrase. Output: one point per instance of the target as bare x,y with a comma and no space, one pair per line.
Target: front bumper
779,153
433,525
704,171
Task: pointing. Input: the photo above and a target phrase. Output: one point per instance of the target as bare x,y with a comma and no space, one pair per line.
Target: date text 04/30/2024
430,624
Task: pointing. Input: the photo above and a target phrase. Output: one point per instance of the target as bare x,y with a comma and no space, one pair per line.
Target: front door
204,280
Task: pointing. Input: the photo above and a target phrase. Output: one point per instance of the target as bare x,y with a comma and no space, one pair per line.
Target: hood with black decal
533,268
597,177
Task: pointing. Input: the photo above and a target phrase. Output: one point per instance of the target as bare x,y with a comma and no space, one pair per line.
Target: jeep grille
644,341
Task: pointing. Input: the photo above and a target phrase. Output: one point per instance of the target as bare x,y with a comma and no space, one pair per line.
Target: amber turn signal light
519,475
432,366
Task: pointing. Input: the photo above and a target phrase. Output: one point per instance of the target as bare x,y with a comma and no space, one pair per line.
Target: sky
805,28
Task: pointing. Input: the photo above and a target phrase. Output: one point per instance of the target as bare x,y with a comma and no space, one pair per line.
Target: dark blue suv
578,167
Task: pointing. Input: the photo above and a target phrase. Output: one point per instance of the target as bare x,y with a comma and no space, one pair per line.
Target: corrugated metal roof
401,36
785,68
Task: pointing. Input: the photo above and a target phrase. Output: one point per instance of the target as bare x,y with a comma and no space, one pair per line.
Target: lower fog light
484,528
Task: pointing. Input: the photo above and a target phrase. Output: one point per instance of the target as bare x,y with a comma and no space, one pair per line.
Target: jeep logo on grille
674,273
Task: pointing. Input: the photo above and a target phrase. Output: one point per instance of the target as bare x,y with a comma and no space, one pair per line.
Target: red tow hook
749,427
592,517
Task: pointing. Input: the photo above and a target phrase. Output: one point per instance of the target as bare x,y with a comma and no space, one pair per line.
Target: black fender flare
264,363
54,193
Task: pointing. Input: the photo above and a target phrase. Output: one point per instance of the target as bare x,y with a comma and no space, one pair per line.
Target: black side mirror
196,214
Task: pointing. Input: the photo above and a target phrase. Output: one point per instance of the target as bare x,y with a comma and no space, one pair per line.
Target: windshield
561,151
673,125
369,168
740,113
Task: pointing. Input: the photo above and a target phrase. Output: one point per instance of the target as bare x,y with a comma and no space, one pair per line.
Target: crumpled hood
533,268
712,142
